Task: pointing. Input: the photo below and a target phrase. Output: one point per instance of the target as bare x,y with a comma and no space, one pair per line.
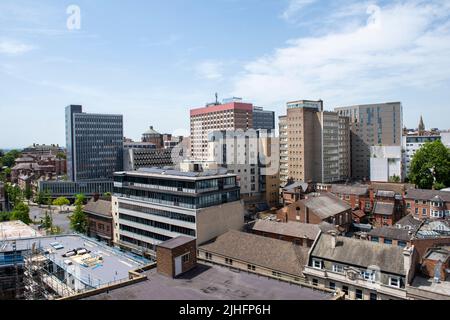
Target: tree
78,220
394,179
48,221
61,155
430,166
80,199
21,212
10,157
5,216
61,201
28,193
14,194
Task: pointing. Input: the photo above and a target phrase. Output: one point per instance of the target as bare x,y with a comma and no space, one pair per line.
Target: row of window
158,212
158,225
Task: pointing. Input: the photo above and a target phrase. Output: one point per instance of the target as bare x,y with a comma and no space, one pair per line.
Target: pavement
59,219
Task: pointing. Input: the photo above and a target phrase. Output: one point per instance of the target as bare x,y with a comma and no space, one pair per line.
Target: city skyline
146,59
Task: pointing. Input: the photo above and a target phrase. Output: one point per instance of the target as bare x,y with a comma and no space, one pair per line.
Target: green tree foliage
61,201
28,193
21,212
61,155
394,179
48,221
14,194
80,199
5,216
78,220
433,156
9,158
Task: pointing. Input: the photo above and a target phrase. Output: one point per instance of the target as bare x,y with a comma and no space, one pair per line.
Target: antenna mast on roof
217,98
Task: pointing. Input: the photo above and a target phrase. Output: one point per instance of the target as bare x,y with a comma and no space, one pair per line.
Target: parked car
70,253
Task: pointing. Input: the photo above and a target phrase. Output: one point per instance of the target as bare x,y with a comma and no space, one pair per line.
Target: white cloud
294,7
10,47
399,46
210,70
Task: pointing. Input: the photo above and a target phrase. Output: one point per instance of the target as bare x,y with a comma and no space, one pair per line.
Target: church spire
421,126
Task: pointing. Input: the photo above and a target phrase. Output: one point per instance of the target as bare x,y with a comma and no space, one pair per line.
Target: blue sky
153,60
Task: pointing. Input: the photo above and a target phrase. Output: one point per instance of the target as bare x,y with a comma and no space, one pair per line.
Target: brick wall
166,258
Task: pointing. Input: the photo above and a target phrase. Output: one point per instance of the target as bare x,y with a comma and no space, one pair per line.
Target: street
60,220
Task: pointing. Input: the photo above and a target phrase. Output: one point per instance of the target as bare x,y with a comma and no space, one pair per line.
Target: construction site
57,267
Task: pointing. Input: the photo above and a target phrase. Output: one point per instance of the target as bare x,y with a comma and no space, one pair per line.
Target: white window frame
338,268
368,275
315,262
396,279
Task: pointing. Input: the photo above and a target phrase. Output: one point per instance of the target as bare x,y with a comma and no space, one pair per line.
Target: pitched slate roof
360,253
385,193
270,253
423,194
354,190
326,206
383,208
297,184
99,207
409,222
291,228
392,233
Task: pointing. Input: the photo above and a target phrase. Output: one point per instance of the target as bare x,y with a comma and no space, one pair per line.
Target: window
424,212
373,296
229,261
332,286
388,241
345,290
416,210
358,294
251,267
375,239
208,256
315,282
408,205
447,213
317,264
401,244
394,282
186,258
338,268
368,275
276,274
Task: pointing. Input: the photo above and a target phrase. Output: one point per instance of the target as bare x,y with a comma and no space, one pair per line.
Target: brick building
99,217
427,203
317,209
176,256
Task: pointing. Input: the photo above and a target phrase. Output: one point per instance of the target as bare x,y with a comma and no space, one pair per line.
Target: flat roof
176,242
114,265
176,174
16,230
207,282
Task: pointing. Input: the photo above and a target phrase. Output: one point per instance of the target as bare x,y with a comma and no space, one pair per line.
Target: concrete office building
372,125
232,115
248,155
94,144
386,164
410,145
151,206
263,119
313,144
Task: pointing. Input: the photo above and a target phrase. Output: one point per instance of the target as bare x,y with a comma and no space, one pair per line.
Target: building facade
314,144
263,119
372,125
233,115
425,204
386,164
151,206
94,144
99,219
410,145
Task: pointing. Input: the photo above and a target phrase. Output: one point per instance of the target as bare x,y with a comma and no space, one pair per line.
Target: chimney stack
333,235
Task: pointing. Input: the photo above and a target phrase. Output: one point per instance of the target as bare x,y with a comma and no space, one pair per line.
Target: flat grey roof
115,264
176,242
212,283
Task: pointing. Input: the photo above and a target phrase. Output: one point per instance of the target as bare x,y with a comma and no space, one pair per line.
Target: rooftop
326,206
271,253
297,184
384,208
360,253
113,266
291,228
409,222
176,242
211,283
385,193
11,230
346,189
392,233
429,285
424,194
171,173
99,207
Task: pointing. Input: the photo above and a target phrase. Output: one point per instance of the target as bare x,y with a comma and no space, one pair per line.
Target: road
59,219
